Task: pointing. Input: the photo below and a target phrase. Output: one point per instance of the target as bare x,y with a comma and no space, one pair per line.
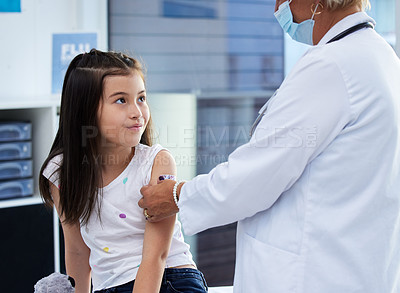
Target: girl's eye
120,101
142,99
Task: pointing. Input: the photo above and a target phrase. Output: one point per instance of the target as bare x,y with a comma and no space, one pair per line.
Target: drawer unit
15,131
27,225
15,150
16,188
15,169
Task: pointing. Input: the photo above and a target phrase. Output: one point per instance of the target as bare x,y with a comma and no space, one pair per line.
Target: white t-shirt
116,241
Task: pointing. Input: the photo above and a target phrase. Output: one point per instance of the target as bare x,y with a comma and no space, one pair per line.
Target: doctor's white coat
316,190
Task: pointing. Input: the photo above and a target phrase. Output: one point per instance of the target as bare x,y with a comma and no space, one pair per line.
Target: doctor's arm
76,251
309,111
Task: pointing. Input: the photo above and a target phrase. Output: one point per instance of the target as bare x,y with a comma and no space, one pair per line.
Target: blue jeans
183,280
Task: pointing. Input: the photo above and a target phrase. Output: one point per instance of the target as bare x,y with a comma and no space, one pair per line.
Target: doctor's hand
157,201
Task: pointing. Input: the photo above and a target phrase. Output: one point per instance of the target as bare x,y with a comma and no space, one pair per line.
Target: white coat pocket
264,268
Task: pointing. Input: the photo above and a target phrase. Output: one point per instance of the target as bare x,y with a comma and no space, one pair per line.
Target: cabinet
29,247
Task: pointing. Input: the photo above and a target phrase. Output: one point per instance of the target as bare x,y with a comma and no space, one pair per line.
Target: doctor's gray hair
339,4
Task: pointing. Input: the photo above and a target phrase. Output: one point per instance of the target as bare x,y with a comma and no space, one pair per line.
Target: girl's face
123,111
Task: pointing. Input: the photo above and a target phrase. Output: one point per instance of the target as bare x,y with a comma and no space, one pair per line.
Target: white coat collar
345,23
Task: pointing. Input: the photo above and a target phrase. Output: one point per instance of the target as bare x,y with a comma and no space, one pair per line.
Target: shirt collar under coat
344,24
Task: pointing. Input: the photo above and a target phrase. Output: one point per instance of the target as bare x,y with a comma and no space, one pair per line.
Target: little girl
102,155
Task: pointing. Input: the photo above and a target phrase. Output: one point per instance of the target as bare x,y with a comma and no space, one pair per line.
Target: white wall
398,27
26,41
293,51
174,118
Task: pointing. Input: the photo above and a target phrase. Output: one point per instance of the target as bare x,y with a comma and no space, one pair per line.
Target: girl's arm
157,236
76,251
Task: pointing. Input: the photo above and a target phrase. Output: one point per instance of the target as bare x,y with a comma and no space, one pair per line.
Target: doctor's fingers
153,219
148,205
146,210
146,192
158,215
141,203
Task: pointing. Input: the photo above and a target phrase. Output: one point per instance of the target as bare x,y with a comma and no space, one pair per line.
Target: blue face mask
301,32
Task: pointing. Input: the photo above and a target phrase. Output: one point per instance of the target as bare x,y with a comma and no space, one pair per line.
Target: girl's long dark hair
80,172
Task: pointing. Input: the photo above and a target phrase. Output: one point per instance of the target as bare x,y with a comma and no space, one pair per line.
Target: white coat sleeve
309,111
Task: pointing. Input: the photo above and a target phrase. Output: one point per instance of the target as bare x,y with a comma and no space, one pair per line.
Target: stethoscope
261,113
343,34
351,30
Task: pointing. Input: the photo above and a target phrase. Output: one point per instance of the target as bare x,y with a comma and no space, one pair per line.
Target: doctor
316,190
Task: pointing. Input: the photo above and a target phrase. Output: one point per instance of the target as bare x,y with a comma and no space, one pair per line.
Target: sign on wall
10,5
65,48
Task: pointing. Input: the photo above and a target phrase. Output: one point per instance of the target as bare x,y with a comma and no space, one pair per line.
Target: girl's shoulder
147,153
51,172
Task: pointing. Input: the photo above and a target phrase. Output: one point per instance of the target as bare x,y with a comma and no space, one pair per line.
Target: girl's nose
134,111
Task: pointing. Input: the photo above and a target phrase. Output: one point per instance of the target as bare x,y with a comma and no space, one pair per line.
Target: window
201,45
189,8
383,11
